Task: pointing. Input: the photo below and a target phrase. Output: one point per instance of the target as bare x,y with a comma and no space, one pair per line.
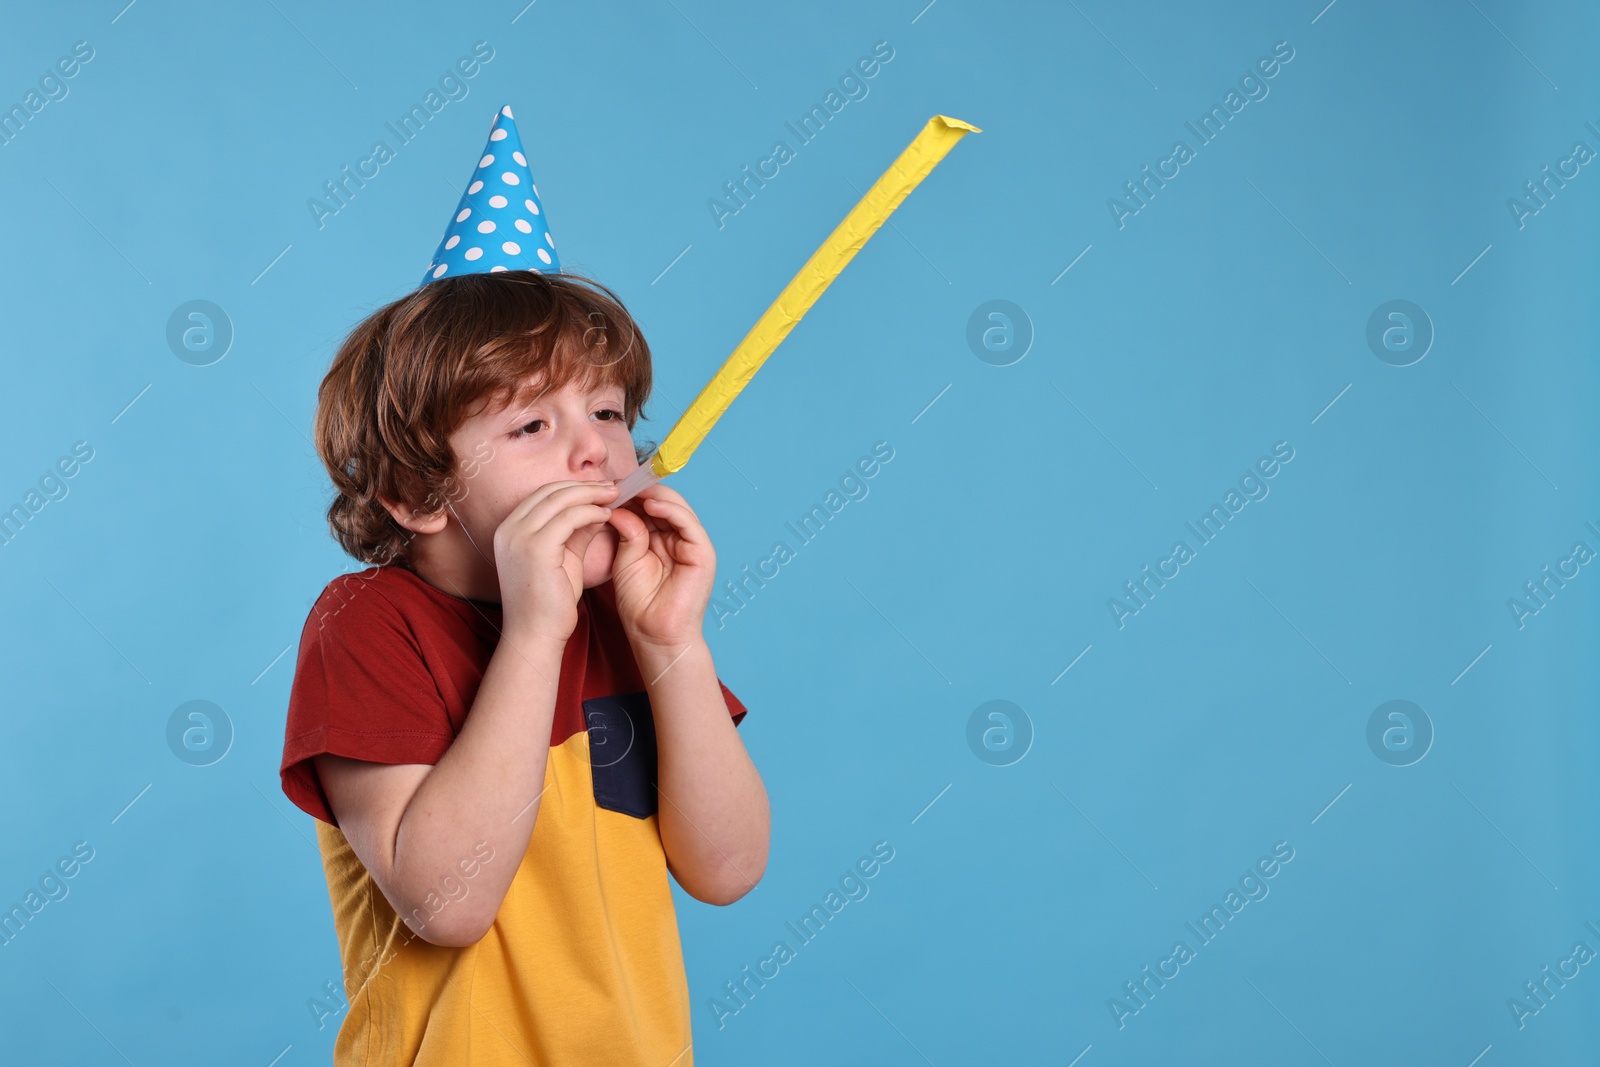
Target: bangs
545,341
583,359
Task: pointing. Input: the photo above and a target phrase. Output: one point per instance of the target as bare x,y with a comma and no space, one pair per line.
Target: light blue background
1226,716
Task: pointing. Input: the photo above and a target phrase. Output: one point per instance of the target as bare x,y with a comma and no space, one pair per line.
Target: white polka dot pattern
487,209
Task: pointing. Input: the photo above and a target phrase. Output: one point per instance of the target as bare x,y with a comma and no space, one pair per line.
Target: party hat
499,223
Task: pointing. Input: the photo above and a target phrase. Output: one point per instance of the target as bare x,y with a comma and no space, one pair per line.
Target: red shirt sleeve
736,707
361,689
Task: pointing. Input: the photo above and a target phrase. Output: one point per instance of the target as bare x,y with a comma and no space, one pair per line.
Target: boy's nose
589,455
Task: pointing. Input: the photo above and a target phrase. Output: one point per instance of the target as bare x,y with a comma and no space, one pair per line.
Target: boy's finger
539,506
661,489
627,527
564,524
636,508
658,491
680,516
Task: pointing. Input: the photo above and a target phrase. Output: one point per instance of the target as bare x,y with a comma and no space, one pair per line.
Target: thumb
633,538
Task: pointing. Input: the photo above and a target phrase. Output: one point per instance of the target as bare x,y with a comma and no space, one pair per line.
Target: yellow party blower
914,164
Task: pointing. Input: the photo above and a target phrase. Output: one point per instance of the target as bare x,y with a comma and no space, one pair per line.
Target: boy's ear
408,517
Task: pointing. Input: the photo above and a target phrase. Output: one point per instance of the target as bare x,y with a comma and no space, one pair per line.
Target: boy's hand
663,571
541,574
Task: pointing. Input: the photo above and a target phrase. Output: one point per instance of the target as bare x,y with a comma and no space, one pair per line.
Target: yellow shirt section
582,965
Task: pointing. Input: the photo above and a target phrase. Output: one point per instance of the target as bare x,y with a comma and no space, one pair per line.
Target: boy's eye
526,430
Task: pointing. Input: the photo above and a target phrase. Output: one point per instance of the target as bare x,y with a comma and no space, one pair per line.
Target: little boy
509,727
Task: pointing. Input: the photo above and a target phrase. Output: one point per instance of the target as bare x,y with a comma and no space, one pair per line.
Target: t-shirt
583,963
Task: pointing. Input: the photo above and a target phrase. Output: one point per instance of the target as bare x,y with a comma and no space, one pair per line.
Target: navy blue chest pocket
622,753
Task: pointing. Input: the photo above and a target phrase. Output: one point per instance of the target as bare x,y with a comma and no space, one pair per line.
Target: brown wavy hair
413,371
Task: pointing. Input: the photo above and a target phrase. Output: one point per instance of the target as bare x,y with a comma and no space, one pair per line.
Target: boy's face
505,453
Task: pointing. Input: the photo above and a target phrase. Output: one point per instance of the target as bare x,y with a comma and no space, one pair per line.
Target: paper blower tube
914,164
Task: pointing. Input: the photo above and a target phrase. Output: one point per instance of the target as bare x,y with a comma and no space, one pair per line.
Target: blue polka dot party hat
499,223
